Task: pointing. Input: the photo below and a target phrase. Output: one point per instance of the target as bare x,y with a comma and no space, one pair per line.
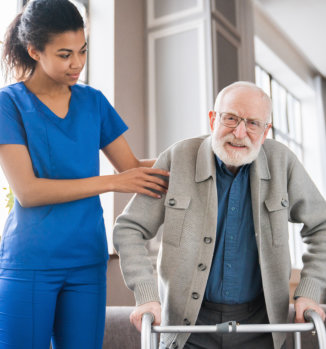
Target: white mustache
231,139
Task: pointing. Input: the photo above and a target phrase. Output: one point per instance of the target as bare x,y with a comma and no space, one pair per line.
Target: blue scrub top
64,235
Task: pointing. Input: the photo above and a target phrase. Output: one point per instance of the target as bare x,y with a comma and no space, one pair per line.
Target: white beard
234,157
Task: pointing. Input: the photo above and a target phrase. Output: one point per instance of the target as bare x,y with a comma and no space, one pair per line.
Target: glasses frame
245,120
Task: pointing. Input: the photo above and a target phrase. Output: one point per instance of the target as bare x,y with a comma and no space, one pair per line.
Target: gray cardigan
281,191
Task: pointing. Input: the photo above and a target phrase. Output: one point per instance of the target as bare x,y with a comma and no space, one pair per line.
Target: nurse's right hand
141,180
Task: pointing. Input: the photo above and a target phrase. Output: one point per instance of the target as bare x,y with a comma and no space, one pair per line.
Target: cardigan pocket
277,207
176,206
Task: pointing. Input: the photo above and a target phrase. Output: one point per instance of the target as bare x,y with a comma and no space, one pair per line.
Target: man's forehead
241,92
244,104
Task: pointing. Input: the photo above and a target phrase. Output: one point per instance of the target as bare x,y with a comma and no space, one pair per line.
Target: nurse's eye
65,56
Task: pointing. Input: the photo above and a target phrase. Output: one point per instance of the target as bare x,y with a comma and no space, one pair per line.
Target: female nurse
53,250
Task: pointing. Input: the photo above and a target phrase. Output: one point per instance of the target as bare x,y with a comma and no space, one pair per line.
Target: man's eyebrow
69,50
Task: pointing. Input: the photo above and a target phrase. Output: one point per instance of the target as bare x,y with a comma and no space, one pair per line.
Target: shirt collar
220,165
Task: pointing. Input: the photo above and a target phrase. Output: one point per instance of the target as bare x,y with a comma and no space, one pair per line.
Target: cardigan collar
206,167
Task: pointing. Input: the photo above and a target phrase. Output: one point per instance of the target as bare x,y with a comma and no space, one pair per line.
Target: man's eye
231,117
253,122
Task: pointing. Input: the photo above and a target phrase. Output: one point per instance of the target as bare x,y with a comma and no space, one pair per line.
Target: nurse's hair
39,21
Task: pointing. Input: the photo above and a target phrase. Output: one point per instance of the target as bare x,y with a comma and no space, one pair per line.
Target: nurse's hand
150,307
141,180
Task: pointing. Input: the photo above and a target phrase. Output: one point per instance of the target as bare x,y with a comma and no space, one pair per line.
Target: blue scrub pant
67,305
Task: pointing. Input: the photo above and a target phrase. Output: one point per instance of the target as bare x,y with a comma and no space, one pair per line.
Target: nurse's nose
77,62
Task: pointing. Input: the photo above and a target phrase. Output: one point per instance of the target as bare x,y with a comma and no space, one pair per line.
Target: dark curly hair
35,25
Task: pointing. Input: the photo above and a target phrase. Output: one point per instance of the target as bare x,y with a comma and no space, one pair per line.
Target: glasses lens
254,126
229,120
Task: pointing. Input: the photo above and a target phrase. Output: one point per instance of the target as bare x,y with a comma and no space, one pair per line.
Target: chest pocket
277,208
175,210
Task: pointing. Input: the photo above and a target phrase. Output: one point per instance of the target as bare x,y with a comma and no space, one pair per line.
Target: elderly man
224,253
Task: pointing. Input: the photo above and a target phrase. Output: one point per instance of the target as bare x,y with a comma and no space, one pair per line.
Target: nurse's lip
74,76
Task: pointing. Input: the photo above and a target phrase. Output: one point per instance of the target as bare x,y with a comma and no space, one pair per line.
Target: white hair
246,84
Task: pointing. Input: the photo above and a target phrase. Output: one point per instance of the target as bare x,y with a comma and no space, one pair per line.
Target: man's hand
151,307
302,304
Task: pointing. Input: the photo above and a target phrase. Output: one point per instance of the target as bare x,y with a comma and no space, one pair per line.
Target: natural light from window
8,10
287,129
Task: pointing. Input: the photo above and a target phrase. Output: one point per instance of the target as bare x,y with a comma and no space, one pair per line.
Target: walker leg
146,331
154,340
313,317
297,340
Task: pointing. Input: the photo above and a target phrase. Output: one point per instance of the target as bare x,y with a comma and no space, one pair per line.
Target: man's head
240,123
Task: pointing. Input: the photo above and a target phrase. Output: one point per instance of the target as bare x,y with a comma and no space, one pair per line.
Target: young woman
53,250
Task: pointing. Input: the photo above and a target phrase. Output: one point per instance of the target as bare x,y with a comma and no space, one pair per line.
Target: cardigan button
172,202
186,322
202,267
175,345
284,203
195,295
208,240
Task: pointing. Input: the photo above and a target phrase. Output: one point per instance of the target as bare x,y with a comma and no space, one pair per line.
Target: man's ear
33,53
265,133
212,117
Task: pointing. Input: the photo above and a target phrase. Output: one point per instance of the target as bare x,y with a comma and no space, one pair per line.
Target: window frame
296,246
276,130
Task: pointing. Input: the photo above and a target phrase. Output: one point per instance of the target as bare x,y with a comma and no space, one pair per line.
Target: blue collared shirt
235,275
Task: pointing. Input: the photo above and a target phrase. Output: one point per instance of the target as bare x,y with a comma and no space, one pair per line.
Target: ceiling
304,22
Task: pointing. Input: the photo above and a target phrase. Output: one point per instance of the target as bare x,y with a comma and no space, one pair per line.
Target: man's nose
240,131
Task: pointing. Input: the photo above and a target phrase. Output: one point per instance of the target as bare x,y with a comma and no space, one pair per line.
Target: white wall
8,11
101,76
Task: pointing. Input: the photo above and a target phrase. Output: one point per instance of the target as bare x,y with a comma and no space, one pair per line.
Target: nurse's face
63,58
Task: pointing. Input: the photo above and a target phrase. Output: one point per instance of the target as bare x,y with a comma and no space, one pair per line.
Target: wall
129,55
117,68
149,63
168,66
129,101
195,48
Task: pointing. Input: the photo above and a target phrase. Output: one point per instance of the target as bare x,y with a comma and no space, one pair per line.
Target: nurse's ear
33,52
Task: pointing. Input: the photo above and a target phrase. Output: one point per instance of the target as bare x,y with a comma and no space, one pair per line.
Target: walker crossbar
149,337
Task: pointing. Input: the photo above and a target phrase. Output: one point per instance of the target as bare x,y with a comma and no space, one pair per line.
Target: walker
149,333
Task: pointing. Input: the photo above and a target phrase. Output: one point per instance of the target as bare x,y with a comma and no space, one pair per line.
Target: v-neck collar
46,109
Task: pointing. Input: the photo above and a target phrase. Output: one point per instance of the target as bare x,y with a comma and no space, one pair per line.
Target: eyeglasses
232,121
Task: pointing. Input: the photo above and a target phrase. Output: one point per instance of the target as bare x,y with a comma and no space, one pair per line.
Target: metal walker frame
149,333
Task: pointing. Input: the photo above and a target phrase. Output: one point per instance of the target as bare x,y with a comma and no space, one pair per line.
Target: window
82,6
287,129
8,10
